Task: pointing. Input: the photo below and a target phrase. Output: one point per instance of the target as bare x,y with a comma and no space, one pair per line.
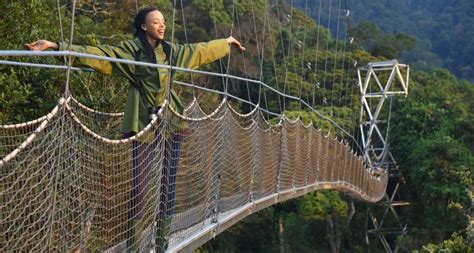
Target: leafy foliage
429,135
19,90
456,243
369,36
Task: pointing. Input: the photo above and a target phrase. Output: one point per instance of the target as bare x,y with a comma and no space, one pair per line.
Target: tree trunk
280,234
331,233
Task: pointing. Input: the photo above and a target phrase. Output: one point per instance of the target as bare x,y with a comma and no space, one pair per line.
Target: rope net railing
69,182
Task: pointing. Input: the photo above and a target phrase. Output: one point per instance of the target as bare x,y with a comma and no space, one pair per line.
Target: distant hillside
444,29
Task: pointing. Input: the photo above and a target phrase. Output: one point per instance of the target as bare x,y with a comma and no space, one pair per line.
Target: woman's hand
231,40
41,45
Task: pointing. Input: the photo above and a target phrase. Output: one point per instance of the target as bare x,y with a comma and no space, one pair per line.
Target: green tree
428,136
27,93
457,243
369,36
329,207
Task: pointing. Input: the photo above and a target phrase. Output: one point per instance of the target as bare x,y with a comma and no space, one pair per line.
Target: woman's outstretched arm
123,51
195,55
42,45
234,42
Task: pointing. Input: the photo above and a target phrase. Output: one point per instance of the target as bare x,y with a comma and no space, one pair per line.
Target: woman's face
155,25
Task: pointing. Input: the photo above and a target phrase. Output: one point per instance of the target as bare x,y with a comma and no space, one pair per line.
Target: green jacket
156,91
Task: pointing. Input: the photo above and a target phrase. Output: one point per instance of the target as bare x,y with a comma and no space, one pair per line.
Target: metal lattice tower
382,81
375,94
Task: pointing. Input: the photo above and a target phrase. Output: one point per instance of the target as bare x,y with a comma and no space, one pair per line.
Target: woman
148,46
148,90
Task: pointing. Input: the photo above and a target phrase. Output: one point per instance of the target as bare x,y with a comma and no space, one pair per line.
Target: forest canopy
443,29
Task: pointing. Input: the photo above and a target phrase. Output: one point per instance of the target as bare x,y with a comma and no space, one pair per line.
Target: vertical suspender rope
300,88
263,54
242,54
61,26
304,42
260,54
170,60
228,58
67,92
316,61
348,37
341,100
285,82
291,54
167,142
220,60
335,56
349,87
60,21
186,38
344,89
66,95
274,61
350,91
324,100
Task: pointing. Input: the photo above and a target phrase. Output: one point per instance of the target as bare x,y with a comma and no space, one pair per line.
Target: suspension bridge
67,182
